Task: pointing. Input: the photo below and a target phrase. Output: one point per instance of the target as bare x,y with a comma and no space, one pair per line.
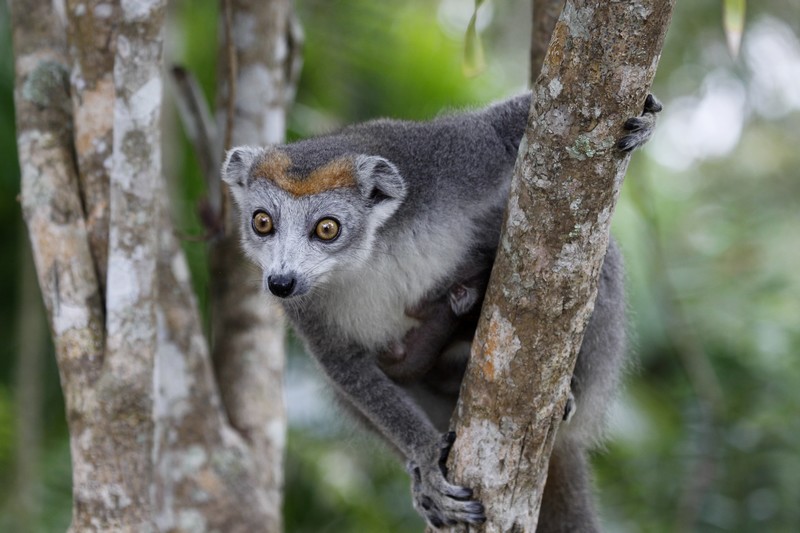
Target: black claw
450,437
652,105
480,519
475,508
633,124
627,143
462,494
426,503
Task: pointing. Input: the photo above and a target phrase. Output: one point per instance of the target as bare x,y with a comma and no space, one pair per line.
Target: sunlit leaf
474,62
733,23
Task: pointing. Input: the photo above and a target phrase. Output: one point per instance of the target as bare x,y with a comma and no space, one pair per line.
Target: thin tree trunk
125,388
545,15
206,476
52,209
600,64
150,440
258,71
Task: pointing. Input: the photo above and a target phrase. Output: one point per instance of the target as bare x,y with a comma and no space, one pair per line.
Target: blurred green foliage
706,435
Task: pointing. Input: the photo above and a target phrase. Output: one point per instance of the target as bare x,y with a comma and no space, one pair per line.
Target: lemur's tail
567,500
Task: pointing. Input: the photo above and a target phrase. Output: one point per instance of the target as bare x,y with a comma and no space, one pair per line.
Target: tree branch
199,126
601,61
143,459
52,209
545,16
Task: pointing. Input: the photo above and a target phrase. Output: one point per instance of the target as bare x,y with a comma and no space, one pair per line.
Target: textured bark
150,439
596,74
206,478
126,387
92,46
545,15
52,210
248,331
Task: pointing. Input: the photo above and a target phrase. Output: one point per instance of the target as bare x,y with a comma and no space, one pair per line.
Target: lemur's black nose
281,286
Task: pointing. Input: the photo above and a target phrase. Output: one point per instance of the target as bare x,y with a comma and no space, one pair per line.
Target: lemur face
300,241
303,228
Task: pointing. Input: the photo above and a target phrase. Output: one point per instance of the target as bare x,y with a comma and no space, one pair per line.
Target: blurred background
706,434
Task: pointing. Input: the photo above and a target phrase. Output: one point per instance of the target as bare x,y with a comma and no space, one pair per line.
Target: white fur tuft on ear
237,165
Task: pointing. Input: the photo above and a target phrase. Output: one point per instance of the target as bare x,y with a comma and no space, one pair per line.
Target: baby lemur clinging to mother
378,239
443,319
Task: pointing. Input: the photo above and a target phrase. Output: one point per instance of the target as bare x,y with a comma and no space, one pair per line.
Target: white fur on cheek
368,303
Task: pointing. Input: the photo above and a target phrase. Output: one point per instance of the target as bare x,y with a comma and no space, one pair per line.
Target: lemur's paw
570,407
640,128
441,503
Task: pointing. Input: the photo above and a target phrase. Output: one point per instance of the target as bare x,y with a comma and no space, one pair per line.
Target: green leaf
474,62
733,23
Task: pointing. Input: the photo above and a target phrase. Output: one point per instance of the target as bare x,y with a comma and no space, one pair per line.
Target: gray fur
641,128
424,216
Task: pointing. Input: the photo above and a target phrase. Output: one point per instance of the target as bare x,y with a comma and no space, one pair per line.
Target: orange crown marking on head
334,175
273,167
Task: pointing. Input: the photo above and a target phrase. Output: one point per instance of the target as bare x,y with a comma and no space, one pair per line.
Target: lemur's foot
640,128
441,503
570,407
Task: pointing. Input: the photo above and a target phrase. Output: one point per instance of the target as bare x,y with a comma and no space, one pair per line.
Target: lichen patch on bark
499,338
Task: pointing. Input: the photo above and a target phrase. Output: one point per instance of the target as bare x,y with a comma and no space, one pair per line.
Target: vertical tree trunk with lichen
257,76
596,73
152,446
105,348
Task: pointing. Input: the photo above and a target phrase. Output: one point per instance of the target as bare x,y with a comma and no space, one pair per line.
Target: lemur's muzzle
281,286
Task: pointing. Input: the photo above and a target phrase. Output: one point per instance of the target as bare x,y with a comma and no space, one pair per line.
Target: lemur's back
455,161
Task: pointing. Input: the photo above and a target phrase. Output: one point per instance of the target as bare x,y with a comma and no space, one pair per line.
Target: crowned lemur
379,240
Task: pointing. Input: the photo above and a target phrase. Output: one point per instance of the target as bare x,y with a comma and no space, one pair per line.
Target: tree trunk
103,497
545,15
598,68
152,446
258,69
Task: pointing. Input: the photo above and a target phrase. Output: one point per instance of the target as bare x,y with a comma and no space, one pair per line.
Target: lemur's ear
237,165
380,182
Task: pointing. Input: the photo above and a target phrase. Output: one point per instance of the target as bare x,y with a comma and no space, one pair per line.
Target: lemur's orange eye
262,223
327,229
